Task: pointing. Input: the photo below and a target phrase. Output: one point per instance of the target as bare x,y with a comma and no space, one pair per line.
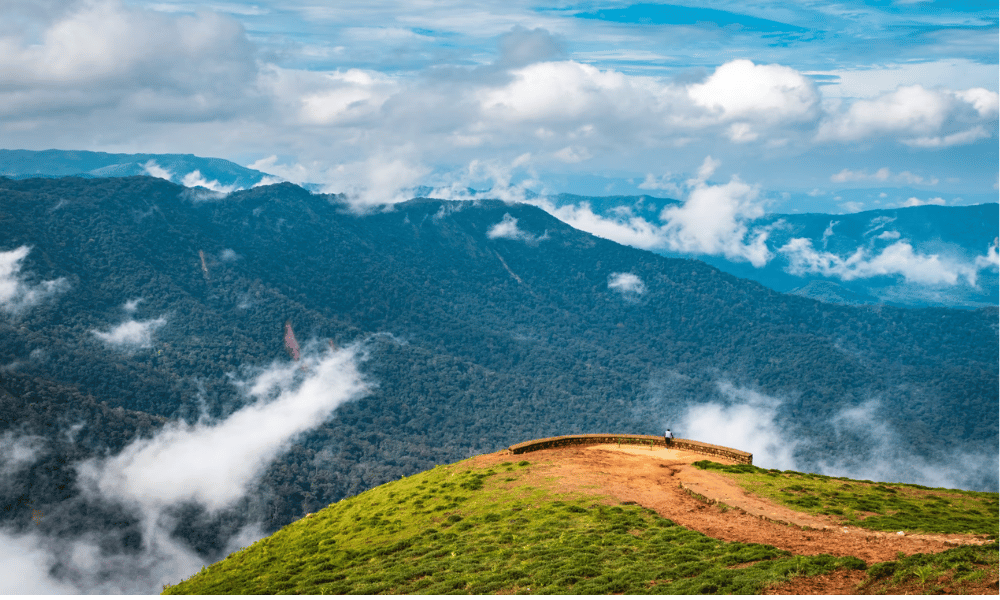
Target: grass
460,529
963,570
871,505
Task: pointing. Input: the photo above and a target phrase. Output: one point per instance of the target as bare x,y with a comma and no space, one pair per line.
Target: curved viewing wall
641,440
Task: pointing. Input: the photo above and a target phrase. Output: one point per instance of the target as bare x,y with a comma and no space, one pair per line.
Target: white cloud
228,255
747,423
25,566
100,54
154,170
132,334
16,294
664,182
713,219
18,452
914,111
882,175
507,228
573,154
956,139
629,284
195,179
288,399
880,455
991,259
896,259
914,201
149,476
132,305
888,235
740,89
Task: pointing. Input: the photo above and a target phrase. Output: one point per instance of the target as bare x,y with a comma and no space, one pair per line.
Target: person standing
667,437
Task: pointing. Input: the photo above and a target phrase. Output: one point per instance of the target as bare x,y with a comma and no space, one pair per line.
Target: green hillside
469,528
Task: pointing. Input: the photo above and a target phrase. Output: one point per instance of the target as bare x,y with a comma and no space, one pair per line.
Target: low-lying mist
208,465
857,443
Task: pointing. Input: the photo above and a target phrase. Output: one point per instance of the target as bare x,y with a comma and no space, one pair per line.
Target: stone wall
641,440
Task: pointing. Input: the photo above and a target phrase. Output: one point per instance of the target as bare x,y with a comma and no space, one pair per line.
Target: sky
818,106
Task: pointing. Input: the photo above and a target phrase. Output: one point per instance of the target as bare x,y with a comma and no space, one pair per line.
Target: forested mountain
481,324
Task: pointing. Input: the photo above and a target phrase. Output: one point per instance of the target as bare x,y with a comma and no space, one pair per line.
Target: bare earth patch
662,480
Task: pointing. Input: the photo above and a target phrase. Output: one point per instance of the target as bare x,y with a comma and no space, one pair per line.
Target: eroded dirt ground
661,479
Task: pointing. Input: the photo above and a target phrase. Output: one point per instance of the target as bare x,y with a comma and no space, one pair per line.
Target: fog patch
154,170
25,566
746,422
229,255
18,452
194,179
16,293
131,335
207,465
131,306
628,285
876,452
507,228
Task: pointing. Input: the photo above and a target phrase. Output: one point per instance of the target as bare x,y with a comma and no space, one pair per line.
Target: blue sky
817,106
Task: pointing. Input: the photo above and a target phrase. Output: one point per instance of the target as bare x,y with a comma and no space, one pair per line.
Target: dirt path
661,480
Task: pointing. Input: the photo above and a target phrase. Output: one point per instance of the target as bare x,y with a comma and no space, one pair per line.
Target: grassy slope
457,528
871,505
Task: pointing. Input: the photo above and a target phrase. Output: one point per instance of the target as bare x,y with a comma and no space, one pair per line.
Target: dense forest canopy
480,325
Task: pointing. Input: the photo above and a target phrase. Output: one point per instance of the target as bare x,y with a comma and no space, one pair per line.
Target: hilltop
609,518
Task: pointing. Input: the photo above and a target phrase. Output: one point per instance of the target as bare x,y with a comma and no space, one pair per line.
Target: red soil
663,479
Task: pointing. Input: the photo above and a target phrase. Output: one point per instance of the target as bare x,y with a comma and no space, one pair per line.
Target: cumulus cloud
921,117
132,334
95,55
740,89
713,219
507,229
16,293
899,258
629,285
747,421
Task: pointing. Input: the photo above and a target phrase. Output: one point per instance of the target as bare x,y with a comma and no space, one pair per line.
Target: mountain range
911,256
142,316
